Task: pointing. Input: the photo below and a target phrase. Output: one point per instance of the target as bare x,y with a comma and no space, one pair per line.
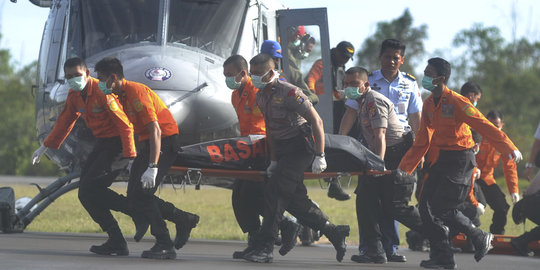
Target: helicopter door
304,38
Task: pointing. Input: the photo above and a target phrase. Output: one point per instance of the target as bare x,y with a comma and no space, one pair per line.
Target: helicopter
177,48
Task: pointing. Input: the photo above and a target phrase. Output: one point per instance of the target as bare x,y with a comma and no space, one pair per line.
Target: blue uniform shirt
403,92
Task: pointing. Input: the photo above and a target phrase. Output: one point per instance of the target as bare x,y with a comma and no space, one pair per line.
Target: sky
21,24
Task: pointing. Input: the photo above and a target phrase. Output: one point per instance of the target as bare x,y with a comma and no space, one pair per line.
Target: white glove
516,156
128,167
477,174
148,179
319,165
480,209
515,197
38,153
271,168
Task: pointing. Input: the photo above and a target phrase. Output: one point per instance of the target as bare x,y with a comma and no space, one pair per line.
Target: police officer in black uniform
289,116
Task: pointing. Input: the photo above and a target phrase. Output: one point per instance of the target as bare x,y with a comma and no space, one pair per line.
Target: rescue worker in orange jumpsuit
247,196
445,121
156,151
488,159
114,132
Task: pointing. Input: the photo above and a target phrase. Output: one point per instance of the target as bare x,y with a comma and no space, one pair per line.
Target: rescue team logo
158,74
227,152
137,105
113,106
469,110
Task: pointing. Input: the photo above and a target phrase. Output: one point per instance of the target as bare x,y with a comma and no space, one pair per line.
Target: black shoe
395,257
521,247
482,245
183,229
249,248
110,247
434,264
159,251
336,235
260,255
289,234
141,226
335,191
366,258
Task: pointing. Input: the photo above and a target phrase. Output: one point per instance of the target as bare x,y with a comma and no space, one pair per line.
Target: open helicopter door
304,38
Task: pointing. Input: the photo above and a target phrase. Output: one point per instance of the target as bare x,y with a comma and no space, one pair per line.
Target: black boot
336,235
482,244
440,256
373,254
263,253
289,234
115,245
250,246
335,191
162,249
185,222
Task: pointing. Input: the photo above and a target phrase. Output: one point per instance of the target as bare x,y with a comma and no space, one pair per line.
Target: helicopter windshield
99,25
210,25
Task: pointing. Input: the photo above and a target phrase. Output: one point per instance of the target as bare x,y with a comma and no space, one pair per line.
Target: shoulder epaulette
408,75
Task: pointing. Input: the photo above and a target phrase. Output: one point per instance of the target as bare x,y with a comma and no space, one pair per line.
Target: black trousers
286,189
143,200
447,187
496,199
385,198
248,204
338,112
96,178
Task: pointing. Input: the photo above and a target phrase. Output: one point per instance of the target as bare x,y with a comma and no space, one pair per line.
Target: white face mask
257,80
77,83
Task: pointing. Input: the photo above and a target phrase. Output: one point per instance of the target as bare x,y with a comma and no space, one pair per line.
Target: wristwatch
320,155
152,165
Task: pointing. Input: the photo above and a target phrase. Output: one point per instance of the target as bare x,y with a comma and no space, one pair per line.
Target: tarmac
38,250
42,250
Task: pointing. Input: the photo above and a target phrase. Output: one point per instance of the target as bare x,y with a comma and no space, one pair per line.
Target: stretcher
501,244
194,175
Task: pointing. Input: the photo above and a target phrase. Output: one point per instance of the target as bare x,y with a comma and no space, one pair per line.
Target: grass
213,205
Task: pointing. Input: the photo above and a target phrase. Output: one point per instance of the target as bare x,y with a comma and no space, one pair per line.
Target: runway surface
37,250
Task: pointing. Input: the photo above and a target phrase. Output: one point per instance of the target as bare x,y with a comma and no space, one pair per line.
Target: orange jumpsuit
446,126
143,106
488,159
315,82
101,113
250,118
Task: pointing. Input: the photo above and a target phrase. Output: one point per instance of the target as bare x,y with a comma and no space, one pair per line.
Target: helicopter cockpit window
210,25
99,25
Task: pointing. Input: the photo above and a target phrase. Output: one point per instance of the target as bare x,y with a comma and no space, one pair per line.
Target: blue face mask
77,83
103,87
475,103
427,83
232,83
257,80
352,92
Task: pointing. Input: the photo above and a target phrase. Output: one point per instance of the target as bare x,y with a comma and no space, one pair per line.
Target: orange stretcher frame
501,244
259,175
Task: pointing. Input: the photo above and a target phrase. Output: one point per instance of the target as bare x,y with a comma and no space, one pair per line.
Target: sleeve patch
469,110
137,105
113,106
